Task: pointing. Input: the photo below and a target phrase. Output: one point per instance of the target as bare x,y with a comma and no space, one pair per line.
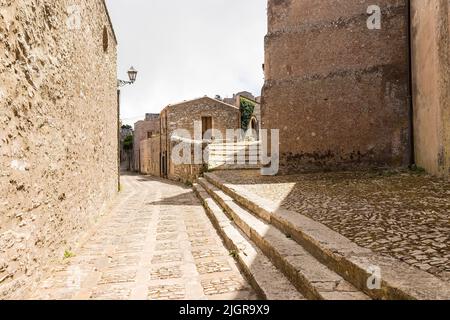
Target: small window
149,134
105,39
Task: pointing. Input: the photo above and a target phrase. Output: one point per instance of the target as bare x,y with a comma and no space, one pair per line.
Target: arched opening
254,127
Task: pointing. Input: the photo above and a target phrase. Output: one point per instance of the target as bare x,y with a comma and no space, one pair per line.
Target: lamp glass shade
132,74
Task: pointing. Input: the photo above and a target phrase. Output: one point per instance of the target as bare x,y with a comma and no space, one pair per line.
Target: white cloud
187,49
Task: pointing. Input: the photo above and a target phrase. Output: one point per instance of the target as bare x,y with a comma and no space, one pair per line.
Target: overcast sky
185,49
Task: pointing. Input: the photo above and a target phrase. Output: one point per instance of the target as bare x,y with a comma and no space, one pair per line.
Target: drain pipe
412,155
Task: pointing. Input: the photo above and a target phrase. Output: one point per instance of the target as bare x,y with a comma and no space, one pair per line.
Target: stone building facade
151,156
336,87
430,24
209,114
143,130
58,131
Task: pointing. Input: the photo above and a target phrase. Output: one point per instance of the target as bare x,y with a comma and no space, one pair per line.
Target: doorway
207,128
164,165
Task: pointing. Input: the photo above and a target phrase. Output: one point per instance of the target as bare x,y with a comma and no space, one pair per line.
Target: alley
155,243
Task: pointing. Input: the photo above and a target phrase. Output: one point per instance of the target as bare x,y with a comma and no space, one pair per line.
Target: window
149,134
105,39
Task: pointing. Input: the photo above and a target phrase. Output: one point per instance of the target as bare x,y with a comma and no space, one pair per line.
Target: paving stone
223,285
206,253
201,242
167,229
114,276
111,292
167,257
174,292
213,266
164,273
167,236
124,261
166,246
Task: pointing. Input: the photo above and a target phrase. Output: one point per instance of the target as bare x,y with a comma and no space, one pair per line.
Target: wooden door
206,126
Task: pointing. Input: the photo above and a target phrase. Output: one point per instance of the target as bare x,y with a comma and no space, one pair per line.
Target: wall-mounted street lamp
132,75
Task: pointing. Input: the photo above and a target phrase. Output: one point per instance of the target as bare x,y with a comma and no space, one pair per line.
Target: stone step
234,160
233,151
399,281
217,166
233,147
314,280
233,154
242,143
267,281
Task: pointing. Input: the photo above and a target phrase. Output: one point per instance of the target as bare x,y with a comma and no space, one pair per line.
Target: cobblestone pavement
401,214
156,243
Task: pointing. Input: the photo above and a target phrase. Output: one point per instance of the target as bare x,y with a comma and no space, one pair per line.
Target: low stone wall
58,131
186,173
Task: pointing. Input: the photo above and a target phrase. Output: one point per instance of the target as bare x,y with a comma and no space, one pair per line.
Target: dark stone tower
337,79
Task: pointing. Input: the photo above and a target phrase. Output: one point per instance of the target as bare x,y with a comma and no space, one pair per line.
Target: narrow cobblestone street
156,243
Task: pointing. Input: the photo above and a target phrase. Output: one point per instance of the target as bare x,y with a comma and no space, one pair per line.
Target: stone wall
335,89
142,129
183,116
431,79
186,173
150,156
58,131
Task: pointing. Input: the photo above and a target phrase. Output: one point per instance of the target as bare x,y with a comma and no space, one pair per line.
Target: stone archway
254,128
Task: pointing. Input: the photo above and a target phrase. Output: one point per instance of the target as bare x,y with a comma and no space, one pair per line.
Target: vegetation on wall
247,109
128,147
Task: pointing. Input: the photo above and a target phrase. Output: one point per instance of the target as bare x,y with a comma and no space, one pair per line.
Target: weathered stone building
151,156
431,84
143,130
210,114
337,88
349,86
58,131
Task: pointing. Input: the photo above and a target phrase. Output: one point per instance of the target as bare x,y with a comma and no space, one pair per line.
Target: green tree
247,109
128,147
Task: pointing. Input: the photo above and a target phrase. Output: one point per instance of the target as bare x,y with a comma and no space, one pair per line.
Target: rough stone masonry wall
186,173
58,132
183,115
431,79
336,90
150,156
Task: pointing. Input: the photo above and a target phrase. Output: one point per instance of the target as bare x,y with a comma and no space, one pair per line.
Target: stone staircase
292,257
234,155
277,266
